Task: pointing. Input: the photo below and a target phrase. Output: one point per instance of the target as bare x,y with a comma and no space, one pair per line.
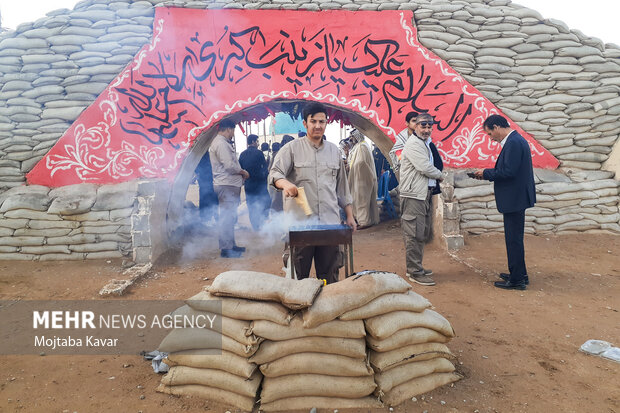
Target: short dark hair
252,138
425,115
313,108
286,139
275,147
411,115
495,120
264,146
226,124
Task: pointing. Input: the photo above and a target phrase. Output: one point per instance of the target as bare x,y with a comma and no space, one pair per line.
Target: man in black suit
513,183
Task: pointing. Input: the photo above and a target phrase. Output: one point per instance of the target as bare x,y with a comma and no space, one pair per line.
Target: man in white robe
363,182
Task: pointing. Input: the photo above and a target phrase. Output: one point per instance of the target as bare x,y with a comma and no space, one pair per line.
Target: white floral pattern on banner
86,142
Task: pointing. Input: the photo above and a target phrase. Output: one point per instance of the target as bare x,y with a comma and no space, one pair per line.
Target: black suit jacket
513,176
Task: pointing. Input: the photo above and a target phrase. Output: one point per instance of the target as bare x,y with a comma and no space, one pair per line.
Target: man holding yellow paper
315,165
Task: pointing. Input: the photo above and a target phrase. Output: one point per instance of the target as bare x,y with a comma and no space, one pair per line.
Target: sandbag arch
184,176
189,77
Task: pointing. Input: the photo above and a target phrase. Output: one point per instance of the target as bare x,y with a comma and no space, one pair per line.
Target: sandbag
317,363
272,350
211,393
338,298
226,361
405,337
335,328
242,309
418,386
220,379
299,385
420,352
391,378
385,325
239,330
211,342
308,402
387,303
294,294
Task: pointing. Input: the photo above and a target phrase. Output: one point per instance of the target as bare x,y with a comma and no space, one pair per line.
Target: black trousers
514,226
325,262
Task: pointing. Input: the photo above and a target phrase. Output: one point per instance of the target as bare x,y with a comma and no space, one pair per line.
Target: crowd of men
340,184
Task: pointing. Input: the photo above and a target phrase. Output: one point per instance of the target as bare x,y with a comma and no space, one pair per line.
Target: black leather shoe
238,248
507,285
230,253
506,277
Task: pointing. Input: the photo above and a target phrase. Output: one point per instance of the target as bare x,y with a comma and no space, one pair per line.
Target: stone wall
560,86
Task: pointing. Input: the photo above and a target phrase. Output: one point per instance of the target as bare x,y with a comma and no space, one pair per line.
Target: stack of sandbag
213,362
319,361
407,345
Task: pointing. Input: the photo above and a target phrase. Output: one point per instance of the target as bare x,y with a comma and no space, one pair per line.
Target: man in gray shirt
228,177
316,165
418,177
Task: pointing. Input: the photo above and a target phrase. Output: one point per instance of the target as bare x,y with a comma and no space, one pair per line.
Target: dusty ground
518,350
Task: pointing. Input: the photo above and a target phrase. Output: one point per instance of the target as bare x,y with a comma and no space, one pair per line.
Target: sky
596,18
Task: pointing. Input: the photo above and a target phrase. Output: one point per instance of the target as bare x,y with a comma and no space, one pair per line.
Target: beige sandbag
385,325
308,402
272,350
387,303
317,363
418,386
338,298
299,385
391,378
211,342
405,337
335,328
241,309
420,352
239,330
294,294
180,375
224,397
227,361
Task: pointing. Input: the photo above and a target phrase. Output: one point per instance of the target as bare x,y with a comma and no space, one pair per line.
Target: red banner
203,65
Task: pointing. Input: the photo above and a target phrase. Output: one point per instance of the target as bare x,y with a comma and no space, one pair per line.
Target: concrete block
141,238
451,210
142,255
454,242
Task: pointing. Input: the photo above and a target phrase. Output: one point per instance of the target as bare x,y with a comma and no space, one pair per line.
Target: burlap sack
241,309
415,352
317,363
209,341
308,402
405,337
387,303
351,293
226,361
294,294
272,350
391,378
385,325
299,385
224,397
335,328
239,330
220,379
418,386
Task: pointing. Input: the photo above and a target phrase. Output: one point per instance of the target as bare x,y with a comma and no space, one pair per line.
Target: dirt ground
518,350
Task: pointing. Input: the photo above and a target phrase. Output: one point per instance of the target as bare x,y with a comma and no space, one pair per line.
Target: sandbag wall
317,356
582,201
214,364
74,222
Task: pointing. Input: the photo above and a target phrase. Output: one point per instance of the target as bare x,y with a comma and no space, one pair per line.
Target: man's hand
479,173
350,219
245,174
287,187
